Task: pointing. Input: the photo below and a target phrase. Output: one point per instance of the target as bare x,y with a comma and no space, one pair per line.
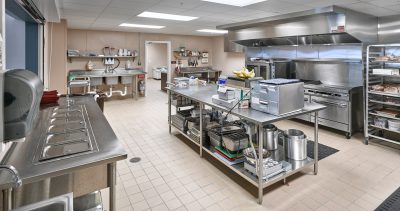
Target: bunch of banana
244,73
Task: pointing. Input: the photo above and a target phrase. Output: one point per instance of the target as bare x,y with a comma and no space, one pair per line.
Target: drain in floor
135,159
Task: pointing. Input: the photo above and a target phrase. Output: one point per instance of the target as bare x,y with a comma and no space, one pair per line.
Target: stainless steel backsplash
331,72
346,69
307,52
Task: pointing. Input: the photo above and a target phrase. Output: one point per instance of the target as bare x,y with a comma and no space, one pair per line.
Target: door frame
169,56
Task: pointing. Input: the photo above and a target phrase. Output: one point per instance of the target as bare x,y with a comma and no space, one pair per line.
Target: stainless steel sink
65,120
111,80
68,137
126,80
67,134
60,150
71,113
66,128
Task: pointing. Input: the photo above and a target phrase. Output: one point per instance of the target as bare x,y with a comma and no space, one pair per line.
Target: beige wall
227,62
56,56
157,56
59,39
92,40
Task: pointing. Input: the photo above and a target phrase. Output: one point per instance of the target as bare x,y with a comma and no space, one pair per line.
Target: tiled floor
171,176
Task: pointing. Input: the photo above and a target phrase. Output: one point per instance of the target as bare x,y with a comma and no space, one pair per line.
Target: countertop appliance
277,96
270,68
23,91
344,105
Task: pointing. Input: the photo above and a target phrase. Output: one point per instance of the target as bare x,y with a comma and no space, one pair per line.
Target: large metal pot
271,134
295,144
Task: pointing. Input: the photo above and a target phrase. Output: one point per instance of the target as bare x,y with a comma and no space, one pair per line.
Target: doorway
158,62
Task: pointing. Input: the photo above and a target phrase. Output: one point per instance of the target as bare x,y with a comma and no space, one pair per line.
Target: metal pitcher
271,134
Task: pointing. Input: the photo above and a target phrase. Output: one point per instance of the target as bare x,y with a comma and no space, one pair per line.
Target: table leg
169,110
111,180
136,87
201,129
260,164
316,143
7,199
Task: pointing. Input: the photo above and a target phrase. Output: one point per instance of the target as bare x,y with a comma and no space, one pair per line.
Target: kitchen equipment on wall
277,96
22,95
90,65
120,52
295,144
128,65
109,51
270,68
142,84
271,135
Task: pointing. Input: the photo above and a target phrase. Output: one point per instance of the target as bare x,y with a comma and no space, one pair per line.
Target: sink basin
65,120
81,135
71,113
126,80
65,128
111,80
61,150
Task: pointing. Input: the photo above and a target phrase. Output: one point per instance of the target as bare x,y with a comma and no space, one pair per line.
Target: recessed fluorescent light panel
214,31
166,16
238,3
141,26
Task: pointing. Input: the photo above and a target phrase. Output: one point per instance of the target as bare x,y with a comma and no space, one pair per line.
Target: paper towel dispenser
23,91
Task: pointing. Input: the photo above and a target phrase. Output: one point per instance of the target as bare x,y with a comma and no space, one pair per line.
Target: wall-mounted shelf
98,57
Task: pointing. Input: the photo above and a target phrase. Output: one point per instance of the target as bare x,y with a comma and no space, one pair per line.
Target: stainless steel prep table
203,94
21,154
193,70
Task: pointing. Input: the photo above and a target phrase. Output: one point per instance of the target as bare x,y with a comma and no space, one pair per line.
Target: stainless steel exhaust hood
329,25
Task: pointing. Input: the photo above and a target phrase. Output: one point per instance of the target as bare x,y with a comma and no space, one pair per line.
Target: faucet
109,69
14,172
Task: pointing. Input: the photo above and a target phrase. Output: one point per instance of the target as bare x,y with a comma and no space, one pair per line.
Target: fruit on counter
244,73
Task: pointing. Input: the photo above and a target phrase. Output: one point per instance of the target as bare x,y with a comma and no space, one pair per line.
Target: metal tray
60,150
65,128
235,141
68,137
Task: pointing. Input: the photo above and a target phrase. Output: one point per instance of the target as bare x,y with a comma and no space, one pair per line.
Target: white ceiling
108,14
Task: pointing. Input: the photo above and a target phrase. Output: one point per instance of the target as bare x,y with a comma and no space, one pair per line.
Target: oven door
264,71
337,111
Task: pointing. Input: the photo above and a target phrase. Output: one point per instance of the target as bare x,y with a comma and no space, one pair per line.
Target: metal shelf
385,116
372,52
384,103
98,57
383,94
384,139
381,75
186,136
386,129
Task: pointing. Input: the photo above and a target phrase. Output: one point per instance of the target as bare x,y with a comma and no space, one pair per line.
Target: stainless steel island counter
64,172
203,96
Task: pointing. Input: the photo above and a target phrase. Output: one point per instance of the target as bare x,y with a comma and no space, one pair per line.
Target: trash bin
101,97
